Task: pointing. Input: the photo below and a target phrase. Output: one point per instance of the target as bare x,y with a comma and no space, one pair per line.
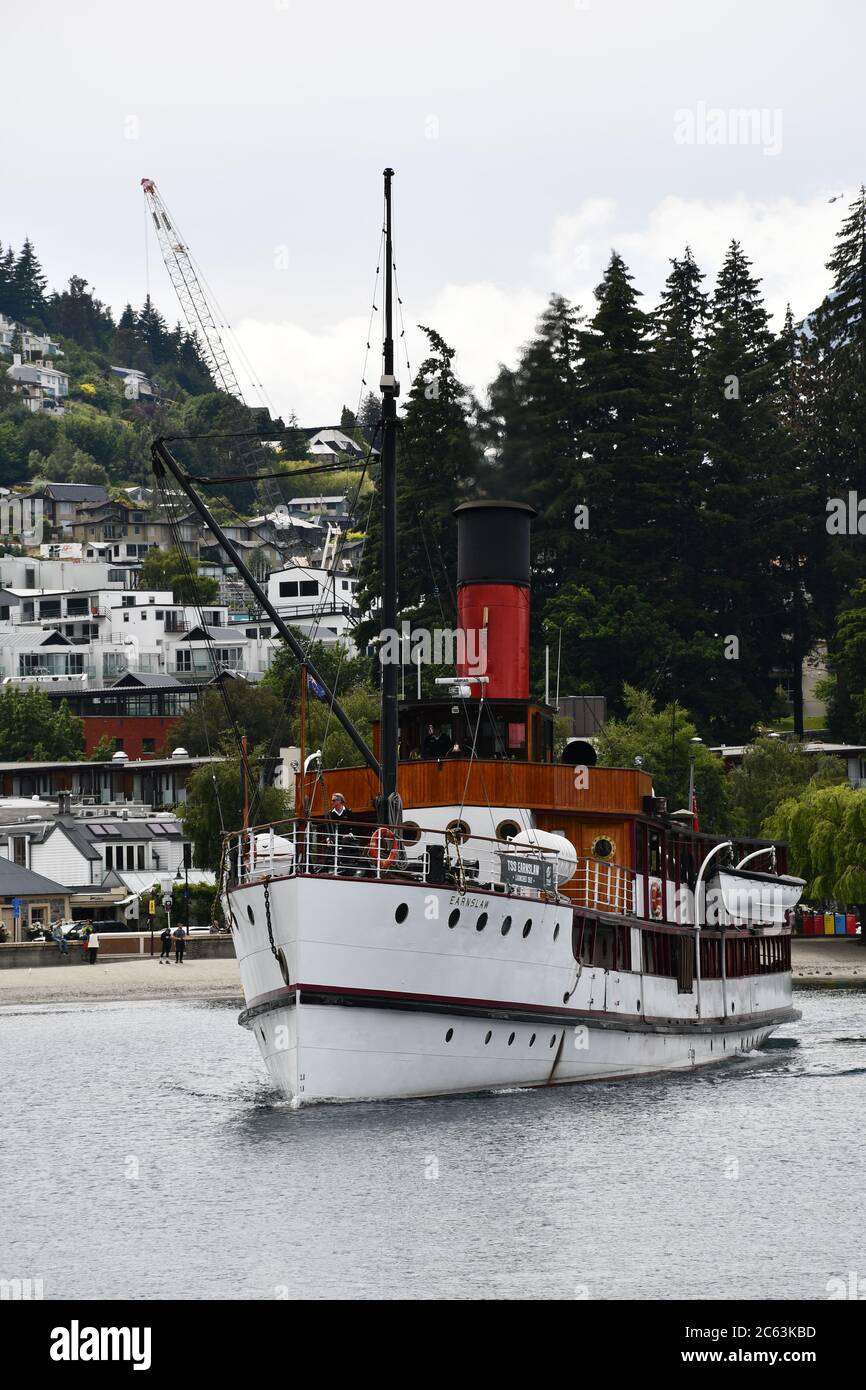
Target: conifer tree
436,461
741,527
369,415
7,264
620,440
125,339
28,284
152,335
532,428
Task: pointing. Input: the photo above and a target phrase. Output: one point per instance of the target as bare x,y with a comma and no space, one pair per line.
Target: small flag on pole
315,689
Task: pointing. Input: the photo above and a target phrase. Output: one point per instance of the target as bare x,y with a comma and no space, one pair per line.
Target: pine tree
679,326
845,310
620,441
152,335
741,530
28,284
7,296
436,460
369,416
532,428
125,346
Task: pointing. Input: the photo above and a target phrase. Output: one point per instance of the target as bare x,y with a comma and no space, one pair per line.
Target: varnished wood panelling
537,786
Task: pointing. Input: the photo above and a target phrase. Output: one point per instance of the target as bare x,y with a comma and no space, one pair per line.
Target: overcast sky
527,139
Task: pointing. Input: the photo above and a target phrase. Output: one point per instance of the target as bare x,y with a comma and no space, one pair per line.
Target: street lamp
183,874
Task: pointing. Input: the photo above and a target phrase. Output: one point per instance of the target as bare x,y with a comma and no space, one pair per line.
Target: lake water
144,1155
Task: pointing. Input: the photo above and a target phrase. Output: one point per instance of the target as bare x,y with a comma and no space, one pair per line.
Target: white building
41,385
319,602
107,856
100,634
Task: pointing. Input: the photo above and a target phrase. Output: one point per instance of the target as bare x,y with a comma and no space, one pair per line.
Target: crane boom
194,300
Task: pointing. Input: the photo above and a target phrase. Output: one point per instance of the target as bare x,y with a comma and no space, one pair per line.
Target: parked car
74,931
113,924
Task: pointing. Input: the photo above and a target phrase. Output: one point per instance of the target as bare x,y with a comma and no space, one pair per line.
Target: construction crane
197,302
203,316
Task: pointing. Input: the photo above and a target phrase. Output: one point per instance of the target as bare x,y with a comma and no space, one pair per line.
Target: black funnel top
493,542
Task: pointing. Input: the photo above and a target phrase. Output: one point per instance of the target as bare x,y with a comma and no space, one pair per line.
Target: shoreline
836,961
833,960
118,981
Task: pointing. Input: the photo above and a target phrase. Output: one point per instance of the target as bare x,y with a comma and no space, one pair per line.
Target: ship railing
603,886
440,857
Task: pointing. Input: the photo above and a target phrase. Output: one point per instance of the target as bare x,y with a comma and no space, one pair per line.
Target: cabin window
655,852
688,871
683,953
640,848
507,829
516,735
603,847
658,954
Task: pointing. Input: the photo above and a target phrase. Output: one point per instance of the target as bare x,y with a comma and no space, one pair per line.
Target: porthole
482,922
532,1040
506,926
402,913
510,1038
552,1039
527,927
457,831
487,1039
411,832
449,1035
556,931
507,829
284,965
250,915
602,847
454,918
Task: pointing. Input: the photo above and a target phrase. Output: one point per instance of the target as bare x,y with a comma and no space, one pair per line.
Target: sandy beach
837,960
833,962
142,978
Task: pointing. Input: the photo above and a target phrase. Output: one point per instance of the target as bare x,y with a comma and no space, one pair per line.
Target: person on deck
342,832
179,945
92,947
165,947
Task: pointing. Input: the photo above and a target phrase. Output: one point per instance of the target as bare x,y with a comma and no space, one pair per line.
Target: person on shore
179,945
92,947
165,946
60,940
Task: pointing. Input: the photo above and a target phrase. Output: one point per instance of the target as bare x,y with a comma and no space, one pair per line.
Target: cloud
788,243
314,371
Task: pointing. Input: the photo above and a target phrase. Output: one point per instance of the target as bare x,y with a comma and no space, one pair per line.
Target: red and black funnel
493,591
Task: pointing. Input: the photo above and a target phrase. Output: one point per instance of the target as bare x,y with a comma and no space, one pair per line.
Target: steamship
484,917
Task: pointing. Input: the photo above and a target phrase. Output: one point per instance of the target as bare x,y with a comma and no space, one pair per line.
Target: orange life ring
384,832
656,899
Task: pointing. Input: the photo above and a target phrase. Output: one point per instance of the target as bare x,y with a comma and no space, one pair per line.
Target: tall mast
164,460
390,390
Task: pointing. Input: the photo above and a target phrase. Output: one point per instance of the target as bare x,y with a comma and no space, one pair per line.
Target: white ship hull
370,1007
